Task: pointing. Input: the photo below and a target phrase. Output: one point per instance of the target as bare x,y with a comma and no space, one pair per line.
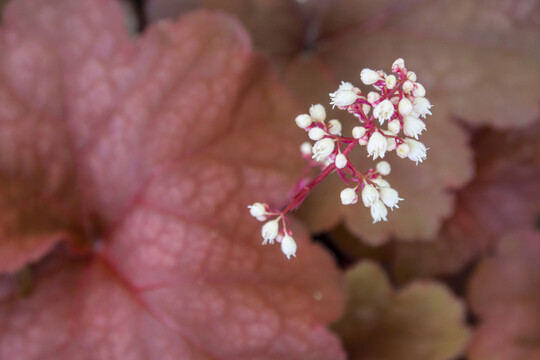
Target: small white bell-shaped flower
288,246
322,149
270,231
413,126
389,197
383,111
257,210
378,211
344,96
376,145
370,194
417,151
421,106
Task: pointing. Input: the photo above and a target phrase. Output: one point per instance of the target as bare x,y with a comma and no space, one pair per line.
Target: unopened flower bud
383,168
369,77
390,197
363,140
366,109
341,161
322,149
373,97
303,121
390,81
316,133
419,90
390,144
378,211
376,146
403,150
270,231
411,75
399,64
348,196
317,112
405,106
334,127
408,86
383,111
257,210
394,126
305,149
358,132
288,246
370,194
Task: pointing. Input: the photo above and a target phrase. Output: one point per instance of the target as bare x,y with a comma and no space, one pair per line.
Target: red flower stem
301,195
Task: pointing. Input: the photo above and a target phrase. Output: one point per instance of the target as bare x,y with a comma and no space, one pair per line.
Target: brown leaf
504,293
503,197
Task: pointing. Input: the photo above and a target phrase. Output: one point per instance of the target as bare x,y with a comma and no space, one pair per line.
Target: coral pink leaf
147,151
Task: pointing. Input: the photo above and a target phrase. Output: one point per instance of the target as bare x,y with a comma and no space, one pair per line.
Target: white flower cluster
399,100
270,230
376,194
398,104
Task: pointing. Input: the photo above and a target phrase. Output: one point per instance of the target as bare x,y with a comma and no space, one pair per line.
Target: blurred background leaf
421,321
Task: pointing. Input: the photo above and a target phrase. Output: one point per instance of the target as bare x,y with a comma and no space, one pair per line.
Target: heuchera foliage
421,321
502,198
125,169
509,327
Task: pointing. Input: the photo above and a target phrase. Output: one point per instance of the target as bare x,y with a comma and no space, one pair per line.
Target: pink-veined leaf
145,152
